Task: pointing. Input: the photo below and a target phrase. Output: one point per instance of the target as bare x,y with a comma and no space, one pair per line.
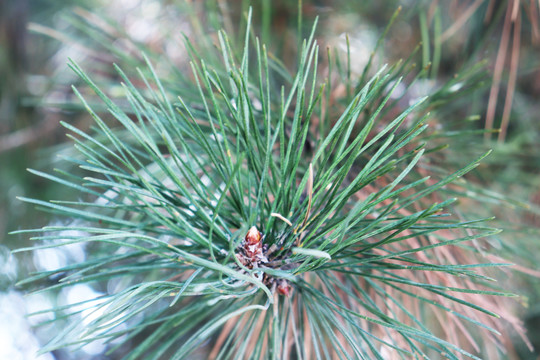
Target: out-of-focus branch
28,135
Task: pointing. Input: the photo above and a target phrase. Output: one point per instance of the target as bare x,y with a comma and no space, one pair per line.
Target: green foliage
355,222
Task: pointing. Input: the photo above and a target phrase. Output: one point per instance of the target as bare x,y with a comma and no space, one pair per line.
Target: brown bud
253,245
284,288
253,236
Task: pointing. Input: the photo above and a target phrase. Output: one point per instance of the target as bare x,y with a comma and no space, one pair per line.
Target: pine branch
214,218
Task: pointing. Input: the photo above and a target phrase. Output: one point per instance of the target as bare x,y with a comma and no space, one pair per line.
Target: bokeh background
37,38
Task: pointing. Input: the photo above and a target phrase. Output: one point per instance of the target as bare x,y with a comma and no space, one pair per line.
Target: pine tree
251,211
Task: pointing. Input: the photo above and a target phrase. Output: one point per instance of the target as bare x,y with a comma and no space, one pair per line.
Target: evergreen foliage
251,214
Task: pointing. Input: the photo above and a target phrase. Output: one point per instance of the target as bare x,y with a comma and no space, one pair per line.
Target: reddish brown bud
253,245
284,288
253,236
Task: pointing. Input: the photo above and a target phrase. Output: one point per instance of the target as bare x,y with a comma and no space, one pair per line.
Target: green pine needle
352,229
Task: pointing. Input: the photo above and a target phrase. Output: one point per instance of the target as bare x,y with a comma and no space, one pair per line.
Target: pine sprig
215,218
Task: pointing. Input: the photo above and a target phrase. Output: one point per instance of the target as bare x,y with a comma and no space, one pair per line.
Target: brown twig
497,73
28,135
456,25
533,18
512,77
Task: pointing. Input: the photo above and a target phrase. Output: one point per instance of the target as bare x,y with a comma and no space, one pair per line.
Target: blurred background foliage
487,49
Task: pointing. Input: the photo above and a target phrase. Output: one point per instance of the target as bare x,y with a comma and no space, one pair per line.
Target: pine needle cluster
255,214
